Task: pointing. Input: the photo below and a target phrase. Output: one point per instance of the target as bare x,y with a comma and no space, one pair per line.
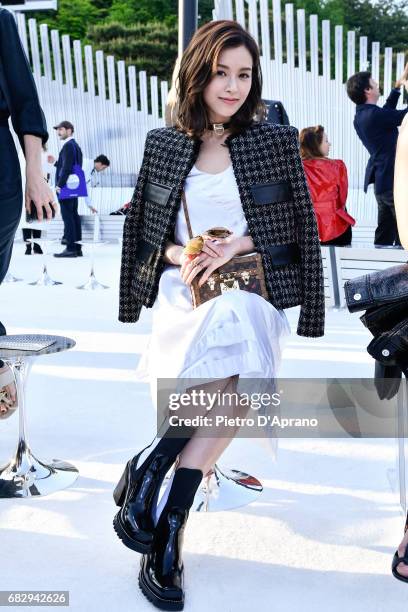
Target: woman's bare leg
202,452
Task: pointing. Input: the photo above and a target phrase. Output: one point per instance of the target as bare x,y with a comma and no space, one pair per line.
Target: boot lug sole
159,602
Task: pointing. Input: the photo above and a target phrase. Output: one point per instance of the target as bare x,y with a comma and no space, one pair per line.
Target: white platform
321,537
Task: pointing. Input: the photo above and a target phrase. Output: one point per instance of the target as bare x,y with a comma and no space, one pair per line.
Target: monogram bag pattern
244,272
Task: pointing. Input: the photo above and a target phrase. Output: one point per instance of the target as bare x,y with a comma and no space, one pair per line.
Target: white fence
108,104
112,110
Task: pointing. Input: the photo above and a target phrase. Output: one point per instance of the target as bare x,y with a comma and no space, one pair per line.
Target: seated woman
328,185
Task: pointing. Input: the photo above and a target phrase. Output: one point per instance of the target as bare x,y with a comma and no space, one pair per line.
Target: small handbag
243,272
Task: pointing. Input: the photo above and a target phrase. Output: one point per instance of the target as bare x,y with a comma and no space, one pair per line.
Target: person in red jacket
328,185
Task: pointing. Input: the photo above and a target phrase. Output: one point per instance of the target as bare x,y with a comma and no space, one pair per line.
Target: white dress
235,333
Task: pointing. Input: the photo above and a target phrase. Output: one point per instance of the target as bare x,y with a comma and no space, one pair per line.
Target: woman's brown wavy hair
198,65
310,140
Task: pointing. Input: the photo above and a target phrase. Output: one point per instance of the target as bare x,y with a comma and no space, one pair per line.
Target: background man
377,129
69,155
92,168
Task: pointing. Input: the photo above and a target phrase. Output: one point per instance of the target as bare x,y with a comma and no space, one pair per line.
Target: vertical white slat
338,35
35,53
45,50
22,30
227,9
240,12
399,69
79,69
253,19
100,74
326,48
66,53
132,87
164,92
154,97
265,32
363,63
399,66
143,92
290,36
351,53
277,31
301,30
89,70
314,45
375,61
56,55
110,61
122,83
387,71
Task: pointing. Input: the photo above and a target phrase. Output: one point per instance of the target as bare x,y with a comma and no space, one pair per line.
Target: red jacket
328,185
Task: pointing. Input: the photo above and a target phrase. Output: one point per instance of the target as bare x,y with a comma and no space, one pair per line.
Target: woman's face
325,146
230,85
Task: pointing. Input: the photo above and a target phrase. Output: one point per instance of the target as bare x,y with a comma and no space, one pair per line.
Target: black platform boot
161,576
138,489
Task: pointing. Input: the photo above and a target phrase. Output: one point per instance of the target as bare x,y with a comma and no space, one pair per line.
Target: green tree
150,46
73,17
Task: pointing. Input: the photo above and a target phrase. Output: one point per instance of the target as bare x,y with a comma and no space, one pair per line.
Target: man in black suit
377,129
70,154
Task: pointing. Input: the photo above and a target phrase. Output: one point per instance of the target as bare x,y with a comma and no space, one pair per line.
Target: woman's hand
38,191
212,256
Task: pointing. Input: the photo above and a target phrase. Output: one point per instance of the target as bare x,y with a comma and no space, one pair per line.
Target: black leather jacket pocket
268,193
284,254
145,251
154,192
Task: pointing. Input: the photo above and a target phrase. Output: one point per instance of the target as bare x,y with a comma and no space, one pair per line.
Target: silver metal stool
25,475
222,489
10,278
92,283
225,489
45,280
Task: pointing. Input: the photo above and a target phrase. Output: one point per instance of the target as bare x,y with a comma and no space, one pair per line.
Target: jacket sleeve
312,312
392,100
129,309
343,184
20,90
67,164
388,116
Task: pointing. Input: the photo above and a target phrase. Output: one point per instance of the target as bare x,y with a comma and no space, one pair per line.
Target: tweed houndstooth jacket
276,203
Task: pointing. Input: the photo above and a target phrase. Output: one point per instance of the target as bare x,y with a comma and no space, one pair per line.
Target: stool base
45,280
27,476
92,284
